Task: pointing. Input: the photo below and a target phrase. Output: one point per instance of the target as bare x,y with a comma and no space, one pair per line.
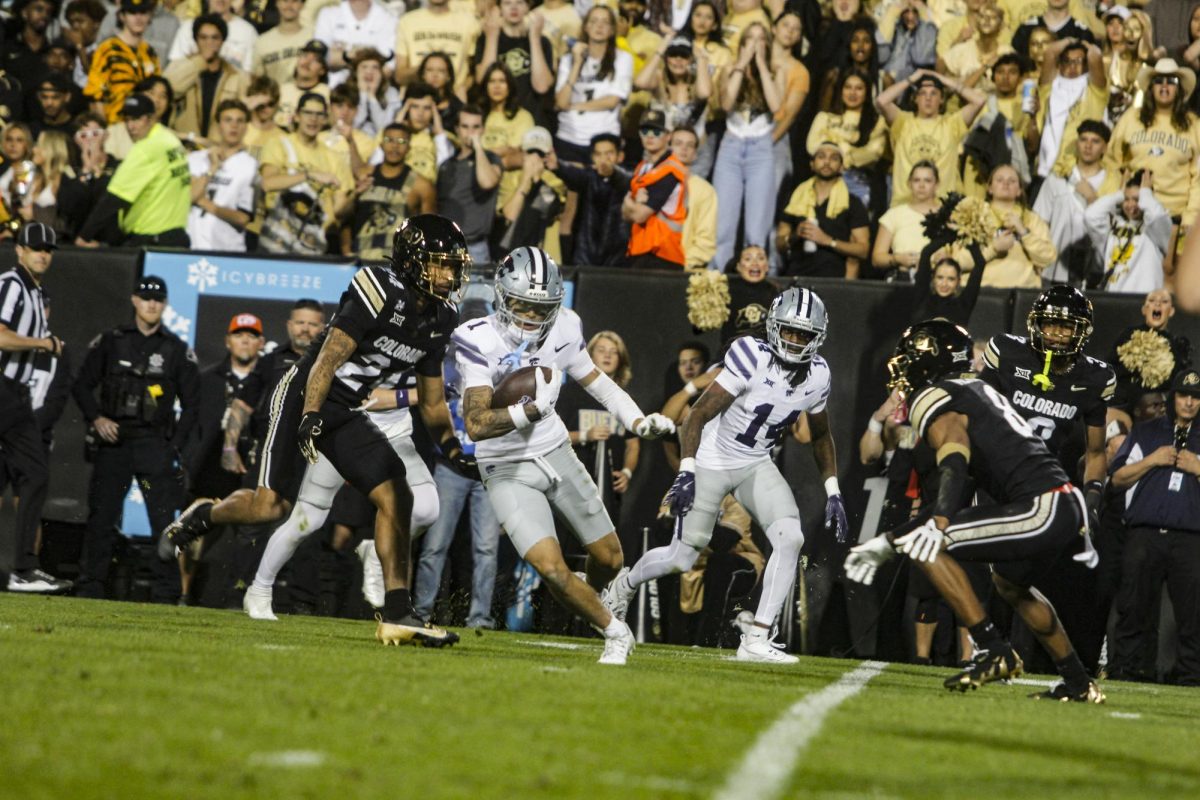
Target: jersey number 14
774,433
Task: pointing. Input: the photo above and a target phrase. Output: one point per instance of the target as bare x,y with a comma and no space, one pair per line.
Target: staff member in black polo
140,369
24,332
1159,466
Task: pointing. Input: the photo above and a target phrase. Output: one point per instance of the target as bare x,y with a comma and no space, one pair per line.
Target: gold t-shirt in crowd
936,139
1169,154
422,32
275,53
500,132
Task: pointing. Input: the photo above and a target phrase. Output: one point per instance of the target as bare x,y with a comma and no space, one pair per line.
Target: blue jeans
745,168
454,491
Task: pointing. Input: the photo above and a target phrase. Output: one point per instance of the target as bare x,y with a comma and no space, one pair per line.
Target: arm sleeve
623,75
88,379
564,72
1130,452
189,400
970,293
1156,220
10,298
135,173
1037,244
104,217
615,399
660,192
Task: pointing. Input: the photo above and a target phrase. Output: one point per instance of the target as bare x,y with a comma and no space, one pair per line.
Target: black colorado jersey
1081,393
379,312
1008,459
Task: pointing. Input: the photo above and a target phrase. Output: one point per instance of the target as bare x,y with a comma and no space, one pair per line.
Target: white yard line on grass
554,645
1034,682
764,771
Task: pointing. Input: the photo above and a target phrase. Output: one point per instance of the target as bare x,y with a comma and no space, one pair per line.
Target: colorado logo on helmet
398,351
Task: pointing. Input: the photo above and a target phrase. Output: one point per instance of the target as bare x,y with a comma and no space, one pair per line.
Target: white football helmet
529,293
801,310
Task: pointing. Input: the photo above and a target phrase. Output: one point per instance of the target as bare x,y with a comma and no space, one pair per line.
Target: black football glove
310,429
462,463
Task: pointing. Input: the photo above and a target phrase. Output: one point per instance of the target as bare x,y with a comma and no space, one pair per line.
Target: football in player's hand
519,386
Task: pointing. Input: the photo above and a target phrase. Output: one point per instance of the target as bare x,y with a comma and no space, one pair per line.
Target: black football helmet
927,352
1065,305
428,241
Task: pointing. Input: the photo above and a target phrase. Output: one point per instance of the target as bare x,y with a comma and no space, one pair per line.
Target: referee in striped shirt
23,332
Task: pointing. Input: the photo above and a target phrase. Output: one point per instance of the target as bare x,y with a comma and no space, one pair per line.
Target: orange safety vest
662,233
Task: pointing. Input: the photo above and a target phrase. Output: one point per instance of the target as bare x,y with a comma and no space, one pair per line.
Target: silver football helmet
799,310
529,293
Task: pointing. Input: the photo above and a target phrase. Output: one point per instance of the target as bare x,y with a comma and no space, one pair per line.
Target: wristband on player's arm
401,397
520,419
952,483
1093,491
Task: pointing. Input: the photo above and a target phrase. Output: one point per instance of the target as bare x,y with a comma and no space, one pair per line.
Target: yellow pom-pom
708,300
973,221
1148,356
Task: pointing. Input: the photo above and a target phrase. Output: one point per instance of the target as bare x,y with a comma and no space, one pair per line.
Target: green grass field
114,700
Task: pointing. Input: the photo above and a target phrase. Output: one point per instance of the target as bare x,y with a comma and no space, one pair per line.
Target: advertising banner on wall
206,289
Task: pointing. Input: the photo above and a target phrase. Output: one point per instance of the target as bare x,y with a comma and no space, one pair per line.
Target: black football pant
150,459
1154,556
25,458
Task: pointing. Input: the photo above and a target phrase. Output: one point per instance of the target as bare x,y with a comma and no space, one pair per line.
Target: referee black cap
37,236
151,287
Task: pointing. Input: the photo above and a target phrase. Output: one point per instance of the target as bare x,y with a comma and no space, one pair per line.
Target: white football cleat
763,651
615,597
618,648
257,603
372,584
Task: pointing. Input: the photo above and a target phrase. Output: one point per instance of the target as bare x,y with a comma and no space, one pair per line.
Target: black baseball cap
151,287
56,81
137,105
1187,382
317,47
37,236
653,119
137,6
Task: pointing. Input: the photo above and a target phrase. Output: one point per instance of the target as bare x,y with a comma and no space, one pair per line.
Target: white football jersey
484,357
766,405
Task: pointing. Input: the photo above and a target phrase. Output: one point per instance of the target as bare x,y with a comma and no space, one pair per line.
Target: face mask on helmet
443,274
897,367
793,344
526,319
1058,331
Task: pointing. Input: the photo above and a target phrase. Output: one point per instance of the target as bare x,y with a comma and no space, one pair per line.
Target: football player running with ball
726,445
524,453
1036,514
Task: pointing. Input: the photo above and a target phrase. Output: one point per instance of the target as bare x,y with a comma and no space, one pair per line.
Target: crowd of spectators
765,139
810,128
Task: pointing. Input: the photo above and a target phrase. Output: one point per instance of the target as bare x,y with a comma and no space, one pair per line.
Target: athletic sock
1072,671
987,637
758,633
397,604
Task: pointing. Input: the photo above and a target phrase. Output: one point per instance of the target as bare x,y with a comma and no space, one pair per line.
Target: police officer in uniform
126,389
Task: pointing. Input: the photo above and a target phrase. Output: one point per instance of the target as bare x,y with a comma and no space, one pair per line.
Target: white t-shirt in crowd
237,50
578,127
231,187
337,25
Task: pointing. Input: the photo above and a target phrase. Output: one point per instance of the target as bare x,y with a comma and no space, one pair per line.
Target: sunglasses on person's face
1160,80
651,131
395,140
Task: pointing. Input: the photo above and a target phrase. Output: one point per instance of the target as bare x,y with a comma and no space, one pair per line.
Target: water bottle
809,245
1029,96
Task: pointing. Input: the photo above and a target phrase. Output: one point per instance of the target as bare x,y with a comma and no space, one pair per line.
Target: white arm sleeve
616,400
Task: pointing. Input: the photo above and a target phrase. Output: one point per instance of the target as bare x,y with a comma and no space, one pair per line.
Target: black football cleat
411,629
182,532
985,668
1059,691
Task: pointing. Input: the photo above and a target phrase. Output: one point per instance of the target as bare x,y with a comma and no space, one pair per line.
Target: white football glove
546,394
864,561
923,544
655,426
1089,557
